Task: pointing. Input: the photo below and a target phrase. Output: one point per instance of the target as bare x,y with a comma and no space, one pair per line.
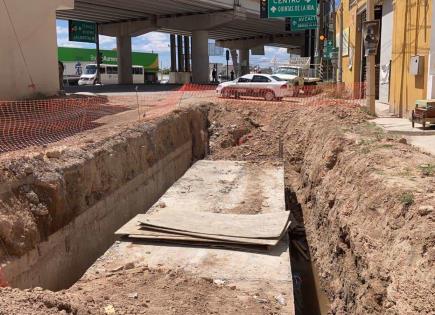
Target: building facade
405,71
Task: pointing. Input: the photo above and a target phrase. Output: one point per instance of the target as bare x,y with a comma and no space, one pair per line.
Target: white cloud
154,41
61,30
107,42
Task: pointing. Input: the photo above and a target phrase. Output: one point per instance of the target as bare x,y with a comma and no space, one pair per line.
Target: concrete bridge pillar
244,61
187,53
28,37
180,53
173,53
200,61
125,74
235,59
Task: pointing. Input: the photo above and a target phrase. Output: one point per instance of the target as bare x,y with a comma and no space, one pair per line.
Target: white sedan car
269,87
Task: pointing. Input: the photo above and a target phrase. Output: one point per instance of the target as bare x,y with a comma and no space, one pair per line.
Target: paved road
116,88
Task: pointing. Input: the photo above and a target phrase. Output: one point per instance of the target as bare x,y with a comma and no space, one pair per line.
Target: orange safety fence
39,122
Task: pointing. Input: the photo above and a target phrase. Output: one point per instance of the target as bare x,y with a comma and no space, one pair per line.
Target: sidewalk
418,137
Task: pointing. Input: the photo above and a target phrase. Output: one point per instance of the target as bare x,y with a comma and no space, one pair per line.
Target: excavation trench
308,294
64,207
118,179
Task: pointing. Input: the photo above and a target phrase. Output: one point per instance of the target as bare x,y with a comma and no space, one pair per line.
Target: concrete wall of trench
84,195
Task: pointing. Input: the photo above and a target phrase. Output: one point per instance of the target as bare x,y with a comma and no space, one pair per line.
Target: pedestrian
214,75
61,70
232,75
79,70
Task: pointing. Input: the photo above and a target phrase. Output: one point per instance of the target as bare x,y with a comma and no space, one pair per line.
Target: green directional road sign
82,31
329,50
302,23
292,8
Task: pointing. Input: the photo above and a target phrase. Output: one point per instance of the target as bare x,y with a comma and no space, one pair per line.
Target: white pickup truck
297,76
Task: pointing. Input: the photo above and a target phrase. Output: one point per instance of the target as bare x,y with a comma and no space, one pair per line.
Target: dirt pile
248,130
35,302
368,200
139,290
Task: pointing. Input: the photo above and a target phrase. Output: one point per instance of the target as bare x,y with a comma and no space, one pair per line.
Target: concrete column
244,61
187,53
28,52
200,61
125,75
180,53
234,58
173,54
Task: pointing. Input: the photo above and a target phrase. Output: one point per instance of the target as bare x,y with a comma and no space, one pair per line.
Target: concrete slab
402,126
218,186
424,139
425,143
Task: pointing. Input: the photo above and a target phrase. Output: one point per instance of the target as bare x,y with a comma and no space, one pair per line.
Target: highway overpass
30,29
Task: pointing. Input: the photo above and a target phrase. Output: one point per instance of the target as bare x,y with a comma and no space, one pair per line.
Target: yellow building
404,70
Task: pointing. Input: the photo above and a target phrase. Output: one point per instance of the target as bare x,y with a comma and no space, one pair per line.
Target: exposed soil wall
60,208
368,205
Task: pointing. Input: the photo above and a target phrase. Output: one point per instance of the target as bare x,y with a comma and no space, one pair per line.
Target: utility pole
334,40
340,47
321,31
97,42
371,59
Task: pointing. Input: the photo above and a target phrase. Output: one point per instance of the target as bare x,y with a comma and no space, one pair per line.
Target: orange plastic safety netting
39,122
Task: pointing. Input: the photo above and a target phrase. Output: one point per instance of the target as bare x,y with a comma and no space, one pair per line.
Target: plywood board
133,229
207,243
268,225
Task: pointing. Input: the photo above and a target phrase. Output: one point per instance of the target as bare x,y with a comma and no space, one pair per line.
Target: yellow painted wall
412,32
351,74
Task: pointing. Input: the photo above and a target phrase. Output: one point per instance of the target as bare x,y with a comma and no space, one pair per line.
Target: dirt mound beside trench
368,205
367,199
139,290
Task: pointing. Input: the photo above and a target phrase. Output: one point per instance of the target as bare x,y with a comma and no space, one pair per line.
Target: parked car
267,86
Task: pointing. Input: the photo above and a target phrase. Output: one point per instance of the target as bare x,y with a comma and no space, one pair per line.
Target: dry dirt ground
138,291
367,203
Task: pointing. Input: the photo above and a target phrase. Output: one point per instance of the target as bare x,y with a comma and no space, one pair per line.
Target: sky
159,43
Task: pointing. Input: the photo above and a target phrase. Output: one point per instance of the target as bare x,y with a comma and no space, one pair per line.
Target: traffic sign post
280,8
84,32
302,23
264,7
